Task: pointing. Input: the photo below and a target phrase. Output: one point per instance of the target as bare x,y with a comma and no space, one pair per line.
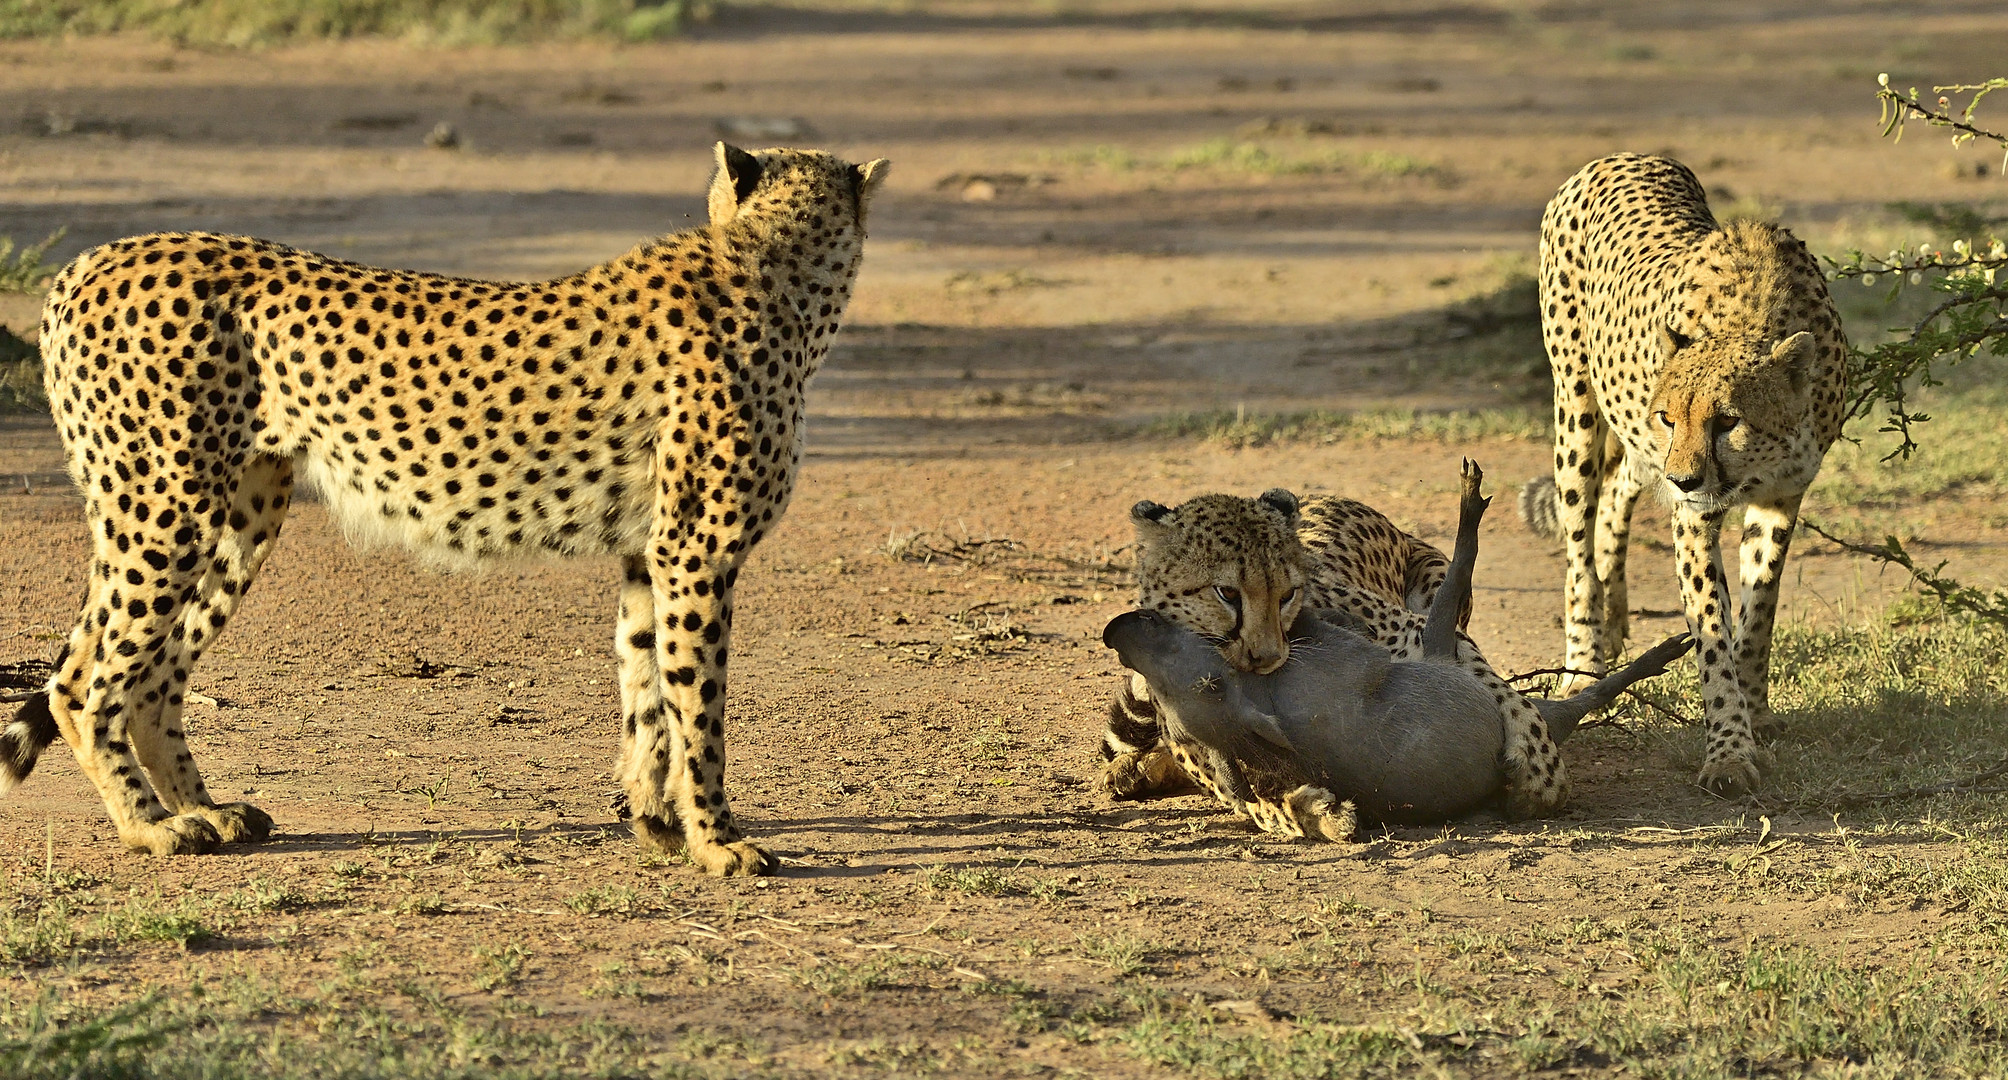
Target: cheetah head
747,183
1730,412
1227,568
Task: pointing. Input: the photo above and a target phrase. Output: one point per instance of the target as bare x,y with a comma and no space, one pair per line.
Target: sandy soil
435,749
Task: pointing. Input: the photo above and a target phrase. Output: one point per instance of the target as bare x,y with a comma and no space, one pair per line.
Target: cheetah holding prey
649,408
1239,572
1401,741
1706,361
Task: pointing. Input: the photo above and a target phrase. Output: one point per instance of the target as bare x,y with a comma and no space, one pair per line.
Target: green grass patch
254,23
1240,428
20,375
22,270
1264,157
1960,452
1693,1009
1871,711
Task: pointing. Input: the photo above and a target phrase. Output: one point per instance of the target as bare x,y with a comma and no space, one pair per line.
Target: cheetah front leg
1580,451
1731,764
692,567
1767,536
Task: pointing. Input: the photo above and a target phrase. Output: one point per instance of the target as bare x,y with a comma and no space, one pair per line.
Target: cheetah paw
1323,815
657,836
741,858
185,834
1150,774
238,823
1732,776
1122,778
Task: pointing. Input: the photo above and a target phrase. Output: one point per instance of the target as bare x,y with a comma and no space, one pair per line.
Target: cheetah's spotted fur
1239,571
1707,362
649,408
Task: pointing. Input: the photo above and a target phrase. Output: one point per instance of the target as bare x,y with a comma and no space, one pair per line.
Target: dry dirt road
1075,243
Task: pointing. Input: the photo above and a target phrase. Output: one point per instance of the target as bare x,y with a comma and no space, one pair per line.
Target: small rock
443,137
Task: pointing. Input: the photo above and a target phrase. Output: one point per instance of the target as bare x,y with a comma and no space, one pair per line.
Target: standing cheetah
1706,361
1238,571
649,408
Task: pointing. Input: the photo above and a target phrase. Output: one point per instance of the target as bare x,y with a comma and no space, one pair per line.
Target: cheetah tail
22,741
1540,507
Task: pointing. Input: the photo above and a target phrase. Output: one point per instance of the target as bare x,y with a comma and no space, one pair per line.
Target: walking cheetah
1704,360
1238,571
649,408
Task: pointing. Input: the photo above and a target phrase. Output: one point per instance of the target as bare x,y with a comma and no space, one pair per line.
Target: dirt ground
916,736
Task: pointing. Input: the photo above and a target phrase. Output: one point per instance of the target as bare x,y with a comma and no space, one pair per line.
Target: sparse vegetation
23,271
1241,428
1971,319
253,23
20,375
1267,157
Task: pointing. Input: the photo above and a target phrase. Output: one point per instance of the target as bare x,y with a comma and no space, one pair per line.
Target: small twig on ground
23,679
1603,721
1553,671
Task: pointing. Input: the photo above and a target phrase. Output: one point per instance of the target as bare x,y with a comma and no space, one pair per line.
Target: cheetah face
778,179
1227,568
1727,413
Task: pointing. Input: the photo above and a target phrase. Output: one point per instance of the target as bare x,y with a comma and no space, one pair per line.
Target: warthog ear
1672,341
1283,502
738,174
1794,356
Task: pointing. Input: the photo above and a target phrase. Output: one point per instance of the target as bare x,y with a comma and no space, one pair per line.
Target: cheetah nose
1686,483
1264,663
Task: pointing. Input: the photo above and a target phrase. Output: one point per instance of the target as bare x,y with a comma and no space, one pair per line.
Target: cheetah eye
1665,421
1287,599
1228,595
1724,424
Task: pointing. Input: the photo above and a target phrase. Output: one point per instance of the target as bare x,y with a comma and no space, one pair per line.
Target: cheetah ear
865,180
1283,502
1148,517
738,174
1672,341
1794,356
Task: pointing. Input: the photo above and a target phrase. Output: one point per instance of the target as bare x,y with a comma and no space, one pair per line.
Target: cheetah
1239,571
1707,362
649,408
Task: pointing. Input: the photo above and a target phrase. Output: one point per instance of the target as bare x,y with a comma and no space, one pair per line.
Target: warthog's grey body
1406,742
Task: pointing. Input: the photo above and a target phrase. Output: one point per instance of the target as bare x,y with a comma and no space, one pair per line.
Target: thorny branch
1953,595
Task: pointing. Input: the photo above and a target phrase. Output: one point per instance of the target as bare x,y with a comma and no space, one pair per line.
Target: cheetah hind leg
258,511
641,770
1307,813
